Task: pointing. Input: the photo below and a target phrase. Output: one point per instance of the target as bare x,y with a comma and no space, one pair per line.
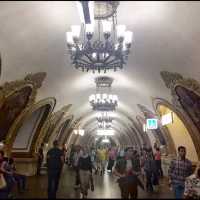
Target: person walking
111,159
102,159
55,161
150,171
77,155
85,170
158,162
179,169
128,179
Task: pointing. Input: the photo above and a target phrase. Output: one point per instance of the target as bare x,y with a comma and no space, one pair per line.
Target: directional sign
152,124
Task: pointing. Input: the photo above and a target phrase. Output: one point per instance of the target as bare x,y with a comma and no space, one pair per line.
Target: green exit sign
152,123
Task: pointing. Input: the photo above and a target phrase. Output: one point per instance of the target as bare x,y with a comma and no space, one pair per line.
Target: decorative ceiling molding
37,78
146,112
170,78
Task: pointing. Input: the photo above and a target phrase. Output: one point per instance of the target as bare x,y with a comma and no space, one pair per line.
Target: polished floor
105,187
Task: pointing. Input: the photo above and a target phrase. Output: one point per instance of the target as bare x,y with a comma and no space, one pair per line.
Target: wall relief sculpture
190,102
185,98
15,98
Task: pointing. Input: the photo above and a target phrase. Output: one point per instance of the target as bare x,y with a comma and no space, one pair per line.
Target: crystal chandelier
104,117
108,49
104,125
103,101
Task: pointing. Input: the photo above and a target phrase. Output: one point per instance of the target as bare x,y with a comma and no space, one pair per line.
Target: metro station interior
98,74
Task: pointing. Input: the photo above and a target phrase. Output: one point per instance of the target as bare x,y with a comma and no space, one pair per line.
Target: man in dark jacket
55,161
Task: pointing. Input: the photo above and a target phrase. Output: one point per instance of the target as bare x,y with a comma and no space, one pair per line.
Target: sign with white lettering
152,124
167,119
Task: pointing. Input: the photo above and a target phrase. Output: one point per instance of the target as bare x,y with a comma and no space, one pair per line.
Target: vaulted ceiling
166,37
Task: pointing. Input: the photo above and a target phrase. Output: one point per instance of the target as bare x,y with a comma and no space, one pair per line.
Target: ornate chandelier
106,50
104,117
103,101
104,125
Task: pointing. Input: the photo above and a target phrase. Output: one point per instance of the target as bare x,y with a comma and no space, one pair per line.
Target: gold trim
51,123
51,101
75,124
183,117
58,126
34,81
173,80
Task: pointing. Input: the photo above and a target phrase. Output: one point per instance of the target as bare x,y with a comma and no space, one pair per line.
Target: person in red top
158,162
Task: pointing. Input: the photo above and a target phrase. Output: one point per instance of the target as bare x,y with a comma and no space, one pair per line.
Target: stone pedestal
26,166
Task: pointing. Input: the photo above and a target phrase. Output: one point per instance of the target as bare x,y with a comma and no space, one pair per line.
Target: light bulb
89,28
105,96
91,98
76,29
106,26
69,37
94,55
121,30
128,37
98,96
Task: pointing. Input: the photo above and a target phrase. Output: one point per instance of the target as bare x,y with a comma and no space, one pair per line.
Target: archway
178,131
28,129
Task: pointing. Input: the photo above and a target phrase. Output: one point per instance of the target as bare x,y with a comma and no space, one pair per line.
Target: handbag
2,182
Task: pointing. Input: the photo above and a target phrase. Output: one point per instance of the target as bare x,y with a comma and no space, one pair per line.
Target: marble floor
105,187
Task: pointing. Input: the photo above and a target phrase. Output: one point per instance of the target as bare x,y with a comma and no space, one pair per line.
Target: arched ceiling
166,37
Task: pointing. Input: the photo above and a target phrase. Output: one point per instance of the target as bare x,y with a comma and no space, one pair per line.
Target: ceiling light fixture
109,49
103,101
80,132
105,132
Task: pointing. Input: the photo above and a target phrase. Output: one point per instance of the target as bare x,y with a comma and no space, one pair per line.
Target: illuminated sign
167,119
144,128
152,124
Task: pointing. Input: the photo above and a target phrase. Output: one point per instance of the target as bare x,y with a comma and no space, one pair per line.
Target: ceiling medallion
106,49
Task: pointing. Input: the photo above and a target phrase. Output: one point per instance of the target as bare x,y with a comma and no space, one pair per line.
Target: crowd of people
132,167
10,178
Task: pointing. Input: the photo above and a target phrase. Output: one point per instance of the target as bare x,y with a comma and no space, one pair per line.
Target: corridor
105,187
93,82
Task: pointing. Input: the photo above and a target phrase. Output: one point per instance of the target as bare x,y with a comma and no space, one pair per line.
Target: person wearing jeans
180,168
